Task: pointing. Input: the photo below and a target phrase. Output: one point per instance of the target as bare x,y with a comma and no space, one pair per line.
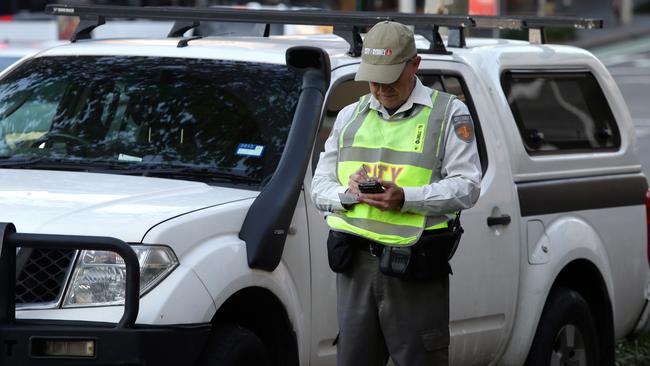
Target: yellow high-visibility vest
407,151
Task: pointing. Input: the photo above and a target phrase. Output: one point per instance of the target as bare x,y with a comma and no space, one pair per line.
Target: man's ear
416,62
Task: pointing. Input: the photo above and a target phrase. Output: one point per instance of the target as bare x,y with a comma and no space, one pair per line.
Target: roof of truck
272,49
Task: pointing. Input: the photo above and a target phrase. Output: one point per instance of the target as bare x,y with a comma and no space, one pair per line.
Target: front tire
232,345
566,334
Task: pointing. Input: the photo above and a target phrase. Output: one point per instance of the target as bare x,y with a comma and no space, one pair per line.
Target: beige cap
386,49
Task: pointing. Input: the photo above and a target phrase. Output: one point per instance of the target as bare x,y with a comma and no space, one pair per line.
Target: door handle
498,220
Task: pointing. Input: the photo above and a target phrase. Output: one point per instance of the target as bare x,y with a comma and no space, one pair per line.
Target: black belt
367,246
374,248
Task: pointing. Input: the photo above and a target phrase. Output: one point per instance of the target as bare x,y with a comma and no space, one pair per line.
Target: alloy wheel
569,348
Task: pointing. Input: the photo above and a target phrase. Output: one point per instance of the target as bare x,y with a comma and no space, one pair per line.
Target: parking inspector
399,166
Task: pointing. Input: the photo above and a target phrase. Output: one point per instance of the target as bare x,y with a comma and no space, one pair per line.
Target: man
419,145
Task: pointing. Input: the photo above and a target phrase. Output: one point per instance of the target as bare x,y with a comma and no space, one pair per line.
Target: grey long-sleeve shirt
461,168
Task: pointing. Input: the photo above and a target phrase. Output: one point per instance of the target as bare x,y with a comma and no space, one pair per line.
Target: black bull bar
123,343
10,240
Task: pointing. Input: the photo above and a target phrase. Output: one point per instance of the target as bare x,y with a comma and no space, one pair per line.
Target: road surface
629,63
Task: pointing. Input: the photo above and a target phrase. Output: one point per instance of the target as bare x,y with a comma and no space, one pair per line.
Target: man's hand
391,199
359,176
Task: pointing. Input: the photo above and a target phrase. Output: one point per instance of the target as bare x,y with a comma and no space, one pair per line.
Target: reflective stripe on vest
407,151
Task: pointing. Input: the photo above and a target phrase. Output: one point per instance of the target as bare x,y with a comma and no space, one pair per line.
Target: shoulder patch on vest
463,127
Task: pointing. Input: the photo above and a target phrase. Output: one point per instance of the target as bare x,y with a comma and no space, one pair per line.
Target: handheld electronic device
371,186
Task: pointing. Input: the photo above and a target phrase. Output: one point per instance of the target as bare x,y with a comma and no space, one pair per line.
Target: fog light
42,347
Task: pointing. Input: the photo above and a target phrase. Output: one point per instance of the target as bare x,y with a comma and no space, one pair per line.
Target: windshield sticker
250,150
124,157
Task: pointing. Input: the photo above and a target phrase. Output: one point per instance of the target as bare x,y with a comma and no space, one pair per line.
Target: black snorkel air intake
267,222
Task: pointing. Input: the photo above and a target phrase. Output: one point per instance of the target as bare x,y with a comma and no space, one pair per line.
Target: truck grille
41,274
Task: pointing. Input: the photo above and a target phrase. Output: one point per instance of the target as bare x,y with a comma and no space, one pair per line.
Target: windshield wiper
21,163
46,162
202,174
192,173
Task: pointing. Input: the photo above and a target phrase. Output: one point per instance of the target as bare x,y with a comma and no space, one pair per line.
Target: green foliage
633,353
521,35
559,35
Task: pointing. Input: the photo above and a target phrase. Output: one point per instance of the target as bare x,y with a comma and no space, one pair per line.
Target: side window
349,91
433,81
453,85
449,83
342,94
560,112
27,114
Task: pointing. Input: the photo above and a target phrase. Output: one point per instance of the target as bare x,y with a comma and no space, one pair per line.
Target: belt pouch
340,251
395,261
445,241
431,254
425,260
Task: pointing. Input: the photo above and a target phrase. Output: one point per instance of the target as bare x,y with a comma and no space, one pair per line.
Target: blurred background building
615,13
443,6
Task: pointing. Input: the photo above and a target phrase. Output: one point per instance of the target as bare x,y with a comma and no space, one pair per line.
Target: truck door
343,91
483,287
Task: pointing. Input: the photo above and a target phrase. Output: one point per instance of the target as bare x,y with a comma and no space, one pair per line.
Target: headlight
99,276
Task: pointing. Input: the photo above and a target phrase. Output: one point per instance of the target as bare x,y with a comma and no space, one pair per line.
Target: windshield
209,120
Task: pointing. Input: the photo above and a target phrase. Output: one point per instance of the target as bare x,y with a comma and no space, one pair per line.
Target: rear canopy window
208,120
561,112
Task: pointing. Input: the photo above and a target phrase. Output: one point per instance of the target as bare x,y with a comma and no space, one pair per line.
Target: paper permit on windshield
250,150
124,157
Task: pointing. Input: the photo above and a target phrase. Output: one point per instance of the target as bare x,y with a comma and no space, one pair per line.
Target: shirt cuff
336,204
413,197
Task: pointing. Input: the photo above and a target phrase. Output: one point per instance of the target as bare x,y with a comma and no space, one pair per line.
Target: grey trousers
381,315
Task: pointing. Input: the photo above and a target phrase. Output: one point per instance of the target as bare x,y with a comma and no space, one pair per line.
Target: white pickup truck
152,195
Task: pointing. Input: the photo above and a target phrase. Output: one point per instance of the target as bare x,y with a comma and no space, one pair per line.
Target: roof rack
348,25
536,25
